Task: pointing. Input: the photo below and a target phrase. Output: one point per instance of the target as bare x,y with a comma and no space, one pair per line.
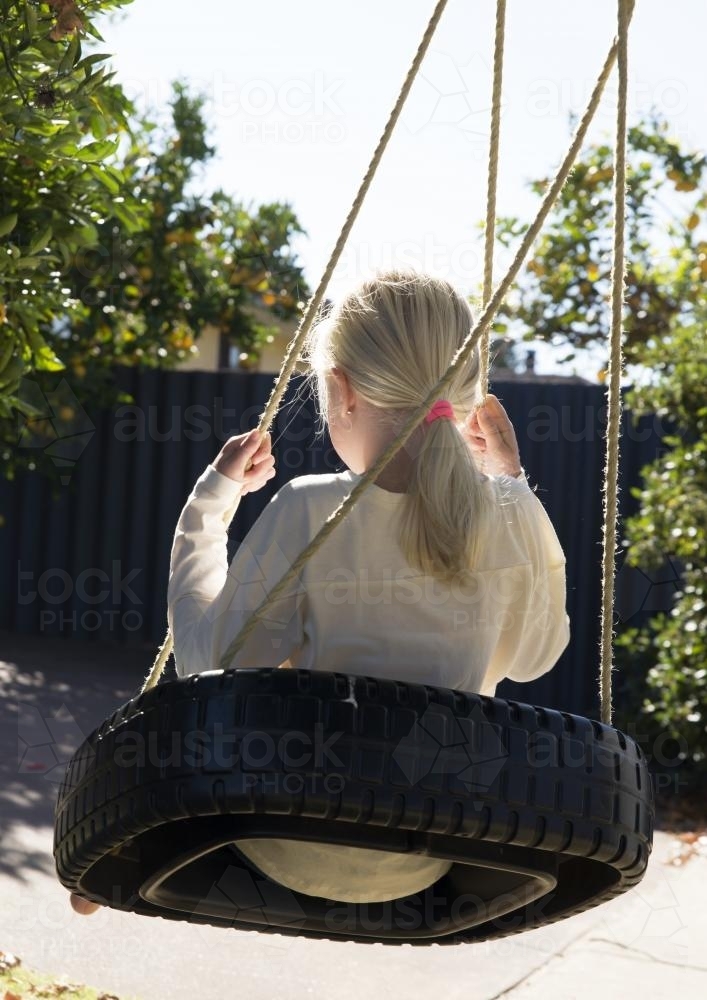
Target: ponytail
445,514
394,336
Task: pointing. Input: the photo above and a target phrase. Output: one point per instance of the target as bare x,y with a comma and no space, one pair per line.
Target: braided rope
459,359
613,432
494,146
293,351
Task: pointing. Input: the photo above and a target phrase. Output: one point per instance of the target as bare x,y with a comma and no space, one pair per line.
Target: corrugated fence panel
92,562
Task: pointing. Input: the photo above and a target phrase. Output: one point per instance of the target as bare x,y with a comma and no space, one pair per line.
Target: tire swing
542,813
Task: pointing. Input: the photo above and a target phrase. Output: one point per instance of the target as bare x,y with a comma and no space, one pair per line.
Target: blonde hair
394,336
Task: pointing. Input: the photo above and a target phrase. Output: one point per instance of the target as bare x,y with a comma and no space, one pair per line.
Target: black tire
549,810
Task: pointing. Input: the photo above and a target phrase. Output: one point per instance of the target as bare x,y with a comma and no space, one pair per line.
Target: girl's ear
341,392
334,399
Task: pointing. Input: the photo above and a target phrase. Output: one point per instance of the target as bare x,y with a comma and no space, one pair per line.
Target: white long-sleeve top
360,608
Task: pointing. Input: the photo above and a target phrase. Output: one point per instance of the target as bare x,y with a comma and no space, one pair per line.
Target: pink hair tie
441,410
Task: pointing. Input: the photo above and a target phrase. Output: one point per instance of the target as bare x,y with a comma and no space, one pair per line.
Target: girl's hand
490,435
247,459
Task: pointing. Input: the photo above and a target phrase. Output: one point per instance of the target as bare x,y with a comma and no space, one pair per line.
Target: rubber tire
595,821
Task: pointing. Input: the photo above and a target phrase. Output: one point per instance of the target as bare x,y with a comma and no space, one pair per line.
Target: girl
447,572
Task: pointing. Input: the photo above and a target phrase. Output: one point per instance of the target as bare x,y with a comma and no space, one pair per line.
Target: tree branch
11,71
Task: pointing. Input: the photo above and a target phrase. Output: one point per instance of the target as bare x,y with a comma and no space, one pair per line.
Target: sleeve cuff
213,482
520,478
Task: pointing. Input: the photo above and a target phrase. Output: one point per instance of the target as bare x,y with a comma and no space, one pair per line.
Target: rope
611,470
293,351
490,230
459,359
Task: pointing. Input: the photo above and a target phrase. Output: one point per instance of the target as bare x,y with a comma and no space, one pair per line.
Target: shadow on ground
53,693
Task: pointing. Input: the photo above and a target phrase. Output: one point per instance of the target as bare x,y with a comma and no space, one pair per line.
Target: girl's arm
208,601
543,629
537,627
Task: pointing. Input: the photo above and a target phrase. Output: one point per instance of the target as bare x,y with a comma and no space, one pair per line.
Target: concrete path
647,945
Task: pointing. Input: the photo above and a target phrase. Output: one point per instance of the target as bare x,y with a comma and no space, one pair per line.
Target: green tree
564,292
109,252
145,286
60,117
671,523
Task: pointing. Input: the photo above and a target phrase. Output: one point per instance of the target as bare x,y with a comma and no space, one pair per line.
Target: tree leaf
71,56
105,178
41,242
8,223
94,152
30,20
44,357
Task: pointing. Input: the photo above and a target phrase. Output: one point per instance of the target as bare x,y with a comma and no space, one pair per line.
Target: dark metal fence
93,561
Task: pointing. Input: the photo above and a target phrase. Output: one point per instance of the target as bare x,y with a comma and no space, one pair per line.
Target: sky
298,95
